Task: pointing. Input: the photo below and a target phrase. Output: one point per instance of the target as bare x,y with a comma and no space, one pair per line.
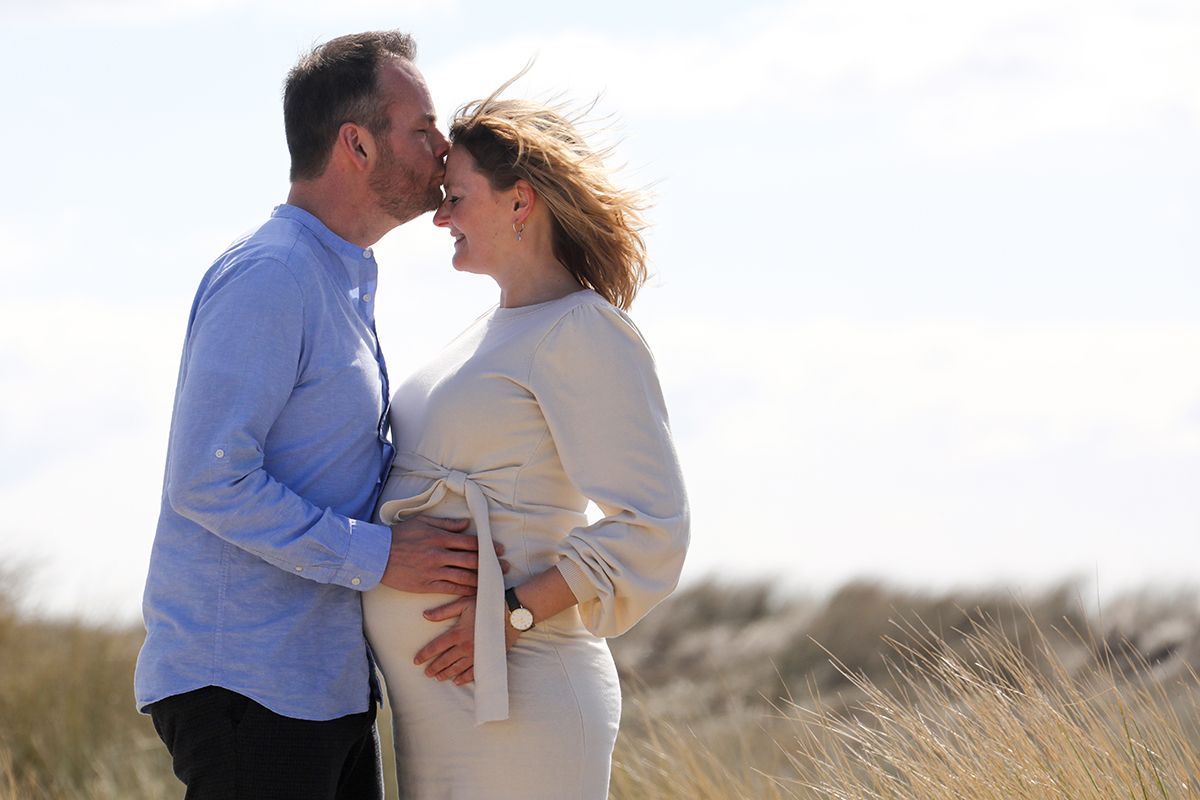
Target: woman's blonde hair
597,226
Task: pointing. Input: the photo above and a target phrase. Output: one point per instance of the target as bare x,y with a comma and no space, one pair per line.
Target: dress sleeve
594,379
243,354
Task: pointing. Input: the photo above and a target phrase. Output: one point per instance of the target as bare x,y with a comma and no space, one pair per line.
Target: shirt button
219,454
367,253
355,581
367,297
299,569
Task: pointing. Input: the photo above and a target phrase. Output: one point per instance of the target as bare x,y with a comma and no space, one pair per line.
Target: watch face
521,619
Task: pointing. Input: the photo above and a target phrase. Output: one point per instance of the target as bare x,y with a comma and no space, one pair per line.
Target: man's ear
357,143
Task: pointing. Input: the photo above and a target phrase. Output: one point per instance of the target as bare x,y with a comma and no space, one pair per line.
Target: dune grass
736,692
1003,705
995,721
68,728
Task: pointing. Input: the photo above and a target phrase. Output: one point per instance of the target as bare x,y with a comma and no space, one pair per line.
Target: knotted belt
491,661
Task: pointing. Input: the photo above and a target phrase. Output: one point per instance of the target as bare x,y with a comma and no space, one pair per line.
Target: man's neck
355,219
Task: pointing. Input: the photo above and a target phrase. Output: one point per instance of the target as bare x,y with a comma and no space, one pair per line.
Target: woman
547,401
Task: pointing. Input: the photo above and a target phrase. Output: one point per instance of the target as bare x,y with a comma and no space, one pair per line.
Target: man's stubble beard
400,194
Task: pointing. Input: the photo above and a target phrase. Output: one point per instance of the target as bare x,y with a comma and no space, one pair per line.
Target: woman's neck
541,285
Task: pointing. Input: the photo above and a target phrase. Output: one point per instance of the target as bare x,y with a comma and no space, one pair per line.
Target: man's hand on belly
433,555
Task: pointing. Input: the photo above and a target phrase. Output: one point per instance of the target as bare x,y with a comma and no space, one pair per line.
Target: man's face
407,179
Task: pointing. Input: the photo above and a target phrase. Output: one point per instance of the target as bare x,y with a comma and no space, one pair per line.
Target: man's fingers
466,677
456,542
463,577
468,557
504,565
445,587
453,541
447,611
455,525
464,559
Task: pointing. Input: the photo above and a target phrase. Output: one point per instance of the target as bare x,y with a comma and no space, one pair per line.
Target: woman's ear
524,200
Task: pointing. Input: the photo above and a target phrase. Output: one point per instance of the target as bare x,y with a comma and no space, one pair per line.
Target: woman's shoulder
582,309
586,328
585,314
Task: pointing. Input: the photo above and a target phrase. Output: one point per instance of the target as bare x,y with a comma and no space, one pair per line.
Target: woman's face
478,217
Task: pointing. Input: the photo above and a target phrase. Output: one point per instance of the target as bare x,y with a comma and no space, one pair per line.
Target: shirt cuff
367,557
580,586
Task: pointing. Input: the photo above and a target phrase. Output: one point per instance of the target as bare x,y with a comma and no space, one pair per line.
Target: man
254,669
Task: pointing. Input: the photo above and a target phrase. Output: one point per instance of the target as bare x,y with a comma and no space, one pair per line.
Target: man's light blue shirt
277,453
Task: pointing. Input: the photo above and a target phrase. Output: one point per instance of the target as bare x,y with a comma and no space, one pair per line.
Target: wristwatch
519,616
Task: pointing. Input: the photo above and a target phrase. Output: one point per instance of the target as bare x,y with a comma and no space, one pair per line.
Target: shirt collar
359,262
318,228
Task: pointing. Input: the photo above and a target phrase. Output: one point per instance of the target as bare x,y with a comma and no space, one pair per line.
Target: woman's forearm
545,594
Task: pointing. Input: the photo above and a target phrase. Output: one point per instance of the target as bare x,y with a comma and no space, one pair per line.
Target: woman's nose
441,217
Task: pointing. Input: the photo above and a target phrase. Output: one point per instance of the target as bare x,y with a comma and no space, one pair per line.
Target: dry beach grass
736,691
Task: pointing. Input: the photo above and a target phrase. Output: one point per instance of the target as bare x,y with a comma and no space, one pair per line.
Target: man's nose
443,146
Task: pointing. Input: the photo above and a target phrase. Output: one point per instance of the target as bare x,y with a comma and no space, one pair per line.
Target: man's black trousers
227,747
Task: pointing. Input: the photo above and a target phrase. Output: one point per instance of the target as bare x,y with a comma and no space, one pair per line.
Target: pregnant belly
392,619
396,629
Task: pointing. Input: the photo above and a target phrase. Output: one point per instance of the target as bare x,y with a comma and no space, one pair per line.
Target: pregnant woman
545,402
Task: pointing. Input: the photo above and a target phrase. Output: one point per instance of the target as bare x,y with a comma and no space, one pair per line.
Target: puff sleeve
594,378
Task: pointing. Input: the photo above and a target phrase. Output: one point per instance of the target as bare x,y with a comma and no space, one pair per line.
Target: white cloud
87,388
948,452
956,77
1068,375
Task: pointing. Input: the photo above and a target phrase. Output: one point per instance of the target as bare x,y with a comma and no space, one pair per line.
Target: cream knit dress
524,417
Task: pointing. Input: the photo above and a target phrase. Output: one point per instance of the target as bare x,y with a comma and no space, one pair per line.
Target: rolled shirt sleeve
594,378
245,351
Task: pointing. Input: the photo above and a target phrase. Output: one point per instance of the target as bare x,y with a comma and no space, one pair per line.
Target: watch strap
510,596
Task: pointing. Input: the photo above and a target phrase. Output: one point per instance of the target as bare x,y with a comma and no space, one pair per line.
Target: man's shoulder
278,239
280,249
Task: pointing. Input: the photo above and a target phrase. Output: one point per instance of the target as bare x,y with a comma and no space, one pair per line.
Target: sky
926,276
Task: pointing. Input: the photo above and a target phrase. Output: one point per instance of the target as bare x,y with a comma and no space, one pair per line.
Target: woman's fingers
466,677
436,647
449,665
448,611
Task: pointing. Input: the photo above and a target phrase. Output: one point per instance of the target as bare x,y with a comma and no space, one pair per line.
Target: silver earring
519,231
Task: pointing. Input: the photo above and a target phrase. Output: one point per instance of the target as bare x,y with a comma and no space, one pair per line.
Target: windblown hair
336,83
597,226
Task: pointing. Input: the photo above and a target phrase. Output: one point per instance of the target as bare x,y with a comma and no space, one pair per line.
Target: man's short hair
334,84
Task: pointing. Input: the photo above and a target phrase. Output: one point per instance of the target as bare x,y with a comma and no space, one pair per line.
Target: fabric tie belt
491,658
